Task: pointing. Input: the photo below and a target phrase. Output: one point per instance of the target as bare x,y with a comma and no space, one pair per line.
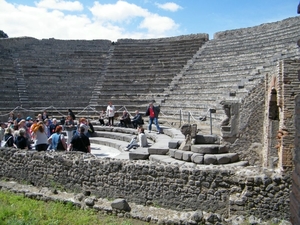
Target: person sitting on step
137,120
125,119
142,140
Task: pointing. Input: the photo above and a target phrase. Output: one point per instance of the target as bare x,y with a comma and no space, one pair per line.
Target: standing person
19,117
57,140
80,142
110,112
40,117
11,116
70,113
137,119
153,111
47,125
69,127
45,115
39,133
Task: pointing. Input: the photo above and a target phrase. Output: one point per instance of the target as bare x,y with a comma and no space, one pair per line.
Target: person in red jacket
153,111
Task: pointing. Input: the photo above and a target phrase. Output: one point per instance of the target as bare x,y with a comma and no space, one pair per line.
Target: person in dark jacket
70,113
22,141
80,142
125,119
153,111
137,119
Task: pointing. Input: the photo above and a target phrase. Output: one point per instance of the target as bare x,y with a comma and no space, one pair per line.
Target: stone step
207,139
209,148
206,159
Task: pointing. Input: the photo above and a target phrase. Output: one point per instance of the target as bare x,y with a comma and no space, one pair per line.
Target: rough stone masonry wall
295,195
249,140
224,190
289,82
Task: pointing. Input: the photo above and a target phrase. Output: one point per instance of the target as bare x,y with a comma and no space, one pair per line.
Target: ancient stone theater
229,110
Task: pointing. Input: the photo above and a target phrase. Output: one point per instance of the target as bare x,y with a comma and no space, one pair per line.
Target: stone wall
289,90
225,190
295,196
249,137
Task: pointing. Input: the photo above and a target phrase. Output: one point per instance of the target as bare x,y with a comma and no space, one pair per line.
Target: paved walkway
103,151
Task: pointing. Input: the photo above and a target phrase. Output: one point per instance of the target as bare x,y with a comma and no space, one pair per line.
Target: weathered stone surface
187,156
162,179
210,159
121,204
89,201
172,152
234,157
173,143
178,154
206,139
135,155
197,216
197,158
157,150
205,148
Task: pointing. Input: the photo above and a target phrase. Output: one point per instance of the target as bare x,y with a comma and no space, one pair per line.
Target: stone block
158,150
197,158
178,154
206,139
173,143
223,149
234,157
226,128
121,204
210,159
223,158
187,156
172,152
138,155
205,149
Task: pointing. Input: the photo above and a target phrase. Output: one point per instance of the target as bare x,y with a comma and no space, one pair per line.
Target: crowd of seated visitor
42,133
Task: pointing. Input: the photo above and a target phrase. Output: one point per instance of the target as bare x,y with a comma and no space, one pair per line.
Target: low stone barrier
227,191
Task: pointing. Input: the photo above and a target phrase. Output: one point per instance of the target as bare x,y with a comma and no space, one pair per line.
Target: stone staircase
97,89
21,82
163,148
207,150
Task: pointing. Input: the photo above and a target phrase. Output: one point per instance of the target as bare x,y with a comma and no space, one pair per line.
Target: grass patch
18,210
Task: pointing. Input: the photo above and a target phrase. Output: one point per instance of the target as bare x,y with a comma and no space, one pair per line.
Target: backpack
60,145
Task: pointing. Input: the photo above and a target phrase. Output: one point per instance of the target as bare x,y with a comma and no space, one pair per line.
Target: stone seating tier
205,150
239,54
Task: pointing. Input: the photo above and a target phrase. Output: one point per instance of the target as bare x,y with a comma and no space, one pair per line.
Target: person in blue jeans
153,111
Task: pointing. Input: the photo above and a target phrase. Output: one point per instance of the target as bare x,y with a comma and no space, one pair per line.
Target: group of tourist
44,133
125,120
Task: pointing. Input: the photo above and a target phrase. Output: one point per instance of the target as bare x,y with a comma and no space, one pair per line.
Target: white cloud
158,24
169,6
119,12
60,5
109,21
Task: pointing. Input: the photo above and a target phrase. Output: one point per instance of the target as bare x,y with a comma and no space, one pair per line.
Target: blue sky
137,19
